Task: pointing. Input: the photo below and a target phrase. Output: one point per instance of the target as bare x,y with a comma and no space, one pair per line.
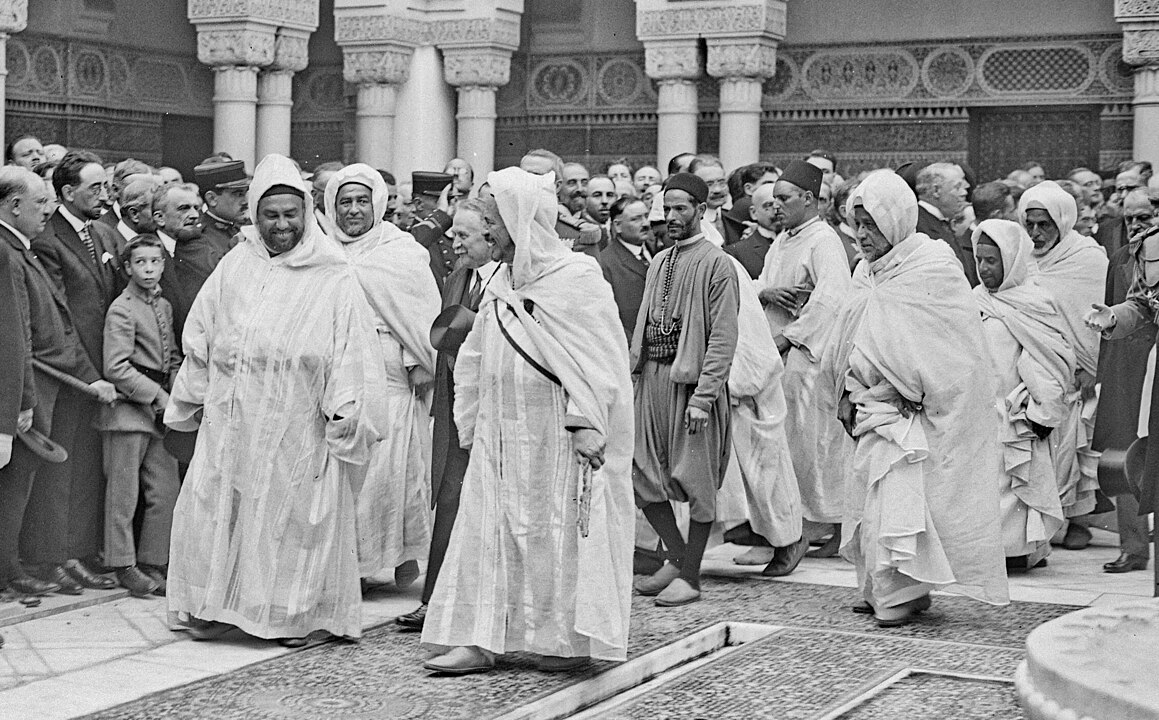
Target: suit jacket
751,250
193,262
626,274
736,221
431,233
16,389
110,218
220,235
45,311
138,334
445,435
88,287
1112,234
941,230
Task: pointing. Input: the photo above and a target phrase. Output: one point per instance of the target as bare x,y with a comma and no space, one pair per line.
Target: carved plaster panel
477,67
733,19
352,29
672,60
236,46
291,51
729,59
377,66
1034,68
474,31
301,14
1141,45
1127,10
13,15
860,73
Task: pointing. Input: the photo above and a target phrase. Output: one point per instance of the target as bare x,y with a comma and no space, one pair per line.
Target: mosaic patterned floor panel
825,656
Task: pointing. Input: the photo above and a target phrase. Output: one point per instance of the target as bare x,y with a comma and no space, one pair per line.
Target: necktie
476,291
643,258
87,238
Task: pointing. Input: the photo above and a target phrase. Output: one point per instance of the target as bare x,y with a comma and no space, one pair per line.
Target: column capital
742,57
244,44
672,59
291,50
13,16
383,65
485,67
1140,22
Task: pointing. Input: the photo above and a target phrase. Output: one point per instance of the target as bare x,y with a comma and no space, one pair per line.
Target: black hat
690,184
804,175
221,175
429,183
451,327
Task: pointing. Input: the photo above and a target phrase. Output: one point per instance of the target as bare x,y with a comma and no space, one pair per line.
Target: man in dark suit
47,326
224,186
751,249
67,503
126,170
464,286
177,216
941,189
737,220
429,194
625,260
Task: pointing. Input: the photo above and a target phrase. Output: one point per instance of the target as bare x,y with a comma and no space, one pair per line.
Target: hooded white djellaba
279,357
527,569
394,272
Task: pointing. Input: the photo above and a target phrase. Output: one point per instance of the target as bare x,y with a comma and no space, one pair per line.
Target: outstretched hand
1100,318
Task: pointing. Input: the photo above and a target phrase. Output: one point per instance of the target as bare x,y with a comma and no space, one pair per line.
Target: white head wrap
363,175
1058,203
274,170
889,201
1015,246
528,206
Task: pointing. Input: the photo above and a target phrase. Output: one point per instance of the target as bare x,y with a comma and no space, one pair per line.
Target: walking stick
69,380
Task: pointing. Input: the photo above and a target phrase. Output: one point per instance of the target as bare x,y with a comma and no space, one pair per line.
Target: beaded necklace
667,327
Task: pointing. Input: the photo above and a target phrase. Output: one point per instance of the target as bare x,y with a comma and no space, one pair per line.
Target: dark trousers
138,466
19,477
1132,527
65,513
446,508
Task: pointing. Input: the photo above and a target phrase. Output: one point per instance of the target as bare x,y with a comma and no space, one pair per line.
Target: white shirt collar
640,251
168,243
932,210
766,233
19,235
73,220
126,232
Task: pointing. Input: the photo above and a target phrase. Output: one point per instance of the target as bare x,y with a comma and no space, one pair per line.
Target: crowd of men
263,395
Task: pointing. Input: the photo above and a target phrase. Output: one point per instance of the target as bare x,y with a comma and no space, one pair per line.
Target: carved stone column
13,19
1140,21
236,54
275,96
477,74
378,75
675,65
742,66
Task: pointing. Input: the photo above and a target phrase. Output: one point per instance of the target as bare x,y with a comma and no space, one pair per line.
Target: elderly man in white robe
1033,369
393,269
915,381
804,281
540,559
280,354
1073,270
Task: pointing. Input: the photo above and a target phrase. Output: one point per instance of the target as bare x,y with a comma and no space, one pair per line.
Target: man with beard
581,236
573,189
67,502
392,515
280,358
177,214
223,188
682,349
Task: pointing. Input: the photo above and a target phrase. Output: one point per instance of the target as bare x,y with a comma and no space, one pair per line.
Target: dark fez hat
221,175
429,183
450,328
690,184
804,175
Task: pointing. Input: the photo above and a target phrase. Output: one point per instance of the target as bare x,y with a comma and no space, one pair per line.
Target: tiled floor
95,657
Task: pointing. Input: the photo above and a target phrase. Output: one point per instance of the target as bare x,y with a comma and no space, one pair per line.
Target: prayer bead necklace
667,327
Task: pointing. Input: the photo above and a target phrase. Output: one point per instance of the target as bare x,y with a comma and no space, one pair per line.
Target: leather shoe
1126,563
88,579
899,615
136,582
830,547
678,593
158,575
28,585
1077,537
655,583
56,574
553,663
756,556
207,629
413,620
461,661
786,559
406,574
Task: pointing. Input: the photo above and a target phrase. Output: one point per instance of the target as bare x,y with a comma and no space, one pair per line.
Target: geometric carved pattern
948,71
555,83
865,74
1037,69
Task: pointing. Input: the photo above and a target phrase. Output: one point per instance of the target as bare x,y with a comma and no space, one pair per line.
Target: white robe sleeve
187,398
467,378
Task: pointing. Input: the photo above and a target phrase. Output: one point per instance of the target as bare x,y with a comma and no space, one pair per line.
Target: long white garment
393,269
760,485
813,258
279,352
1074,273
521,572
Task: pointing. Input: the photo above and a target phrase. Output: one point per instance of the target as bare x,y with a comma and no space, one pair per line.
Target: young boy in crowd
140,356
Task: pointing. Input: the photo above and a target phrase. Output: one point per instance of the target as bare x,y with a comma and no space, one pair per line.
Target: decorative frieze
300,14
672,59
658,19
236,46
477,67
390,66
742,58
291,50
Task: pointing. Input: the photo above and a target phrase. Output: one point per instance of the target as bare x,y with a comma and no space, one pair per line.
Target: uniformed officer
433,222
224,185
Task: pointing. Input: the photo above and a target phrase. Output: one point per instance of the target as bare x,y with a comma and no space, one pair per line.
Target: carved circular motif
558,81
1116,74
1036,69
860,74
948,71
784,81
619,81
47,69
89,72
19,63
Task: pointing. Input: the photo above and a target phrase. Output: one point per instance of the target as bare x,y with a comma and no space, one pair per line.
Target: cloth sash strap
523,353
